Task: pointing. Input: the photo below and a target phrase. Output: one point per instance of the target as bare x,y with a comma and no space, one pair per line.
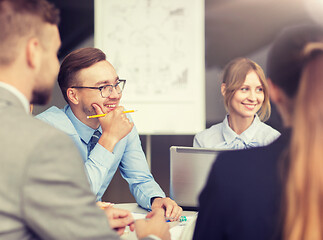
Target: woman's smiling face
248,99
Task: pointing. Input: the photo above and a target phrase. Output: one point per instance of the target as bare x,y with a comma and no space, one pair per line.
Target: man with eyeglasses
91,86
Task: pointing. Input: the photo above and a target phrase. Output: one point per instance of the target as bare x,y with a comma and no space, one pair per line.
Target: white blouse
223,137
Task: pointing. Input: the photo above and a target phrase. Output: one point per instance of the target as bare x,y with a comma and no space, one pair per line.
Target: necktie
94,139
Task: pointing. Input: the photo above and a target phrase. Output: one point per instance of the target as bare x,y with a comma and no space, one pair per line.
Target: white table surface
185,232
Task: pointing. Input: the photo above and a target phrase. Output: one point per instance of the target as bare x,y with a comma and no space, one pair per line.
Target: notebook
189,169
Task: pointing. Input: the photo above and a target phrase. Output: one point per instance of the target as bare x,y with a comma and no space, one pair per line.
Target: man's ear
223,89
72,95
33,53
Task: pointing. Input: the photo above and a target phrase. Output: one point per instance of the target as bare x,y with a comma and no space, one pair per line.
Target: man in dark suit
242,197
44,192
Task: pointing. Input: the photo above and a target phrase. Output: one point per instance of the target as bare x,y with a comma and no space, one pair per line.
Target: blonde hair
304,185
234,75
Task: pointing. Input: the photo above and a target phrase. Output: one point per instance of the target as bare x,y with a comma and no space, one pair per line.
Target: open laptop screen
189,169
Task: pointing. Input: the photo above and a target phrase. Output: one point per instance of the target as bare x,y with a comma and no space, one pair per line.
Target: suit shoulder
243,161
244,155
57,118
33,129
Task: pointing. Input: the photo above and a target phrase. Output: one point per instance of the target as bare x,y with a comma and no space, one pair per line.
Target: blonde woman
246,100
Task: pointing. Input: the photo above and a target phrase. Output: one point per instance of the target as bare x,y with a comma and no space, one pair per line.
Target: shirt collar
228,134
251,131
22,98
247,136
85,132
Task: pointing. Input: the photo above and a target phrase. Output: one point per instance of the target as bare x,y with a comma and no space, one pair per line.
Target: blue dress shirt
223,137
101,164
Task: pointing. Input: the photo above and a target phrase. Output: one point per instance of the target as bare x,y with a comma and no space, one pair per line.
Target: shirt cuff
152,199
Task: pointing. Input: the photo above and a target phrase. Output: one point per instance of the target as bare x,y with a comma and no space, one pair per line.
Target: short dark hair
285,60
74,62
22,18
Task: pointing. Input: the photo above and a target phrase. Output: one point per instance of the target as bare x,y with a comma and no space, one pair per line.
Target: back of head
303,69
74,62
285,59
21,20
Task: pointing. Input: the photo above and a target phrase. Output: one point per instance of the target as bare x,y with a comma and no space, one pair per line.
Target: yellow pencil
102,115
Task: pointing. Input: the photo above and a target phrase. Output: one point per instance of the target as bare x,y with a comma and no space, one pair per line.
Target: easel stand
148,150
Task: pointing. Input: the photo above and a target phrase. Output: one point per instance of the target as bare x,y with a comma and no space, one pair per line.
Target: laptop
189,170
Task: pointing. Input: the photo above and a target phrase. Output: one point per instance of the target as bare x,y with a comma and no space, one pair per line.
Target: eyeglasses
106,90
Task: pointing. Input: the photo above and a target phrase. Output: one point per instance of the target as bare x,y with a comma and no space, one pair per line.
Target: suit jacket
242,197
44,192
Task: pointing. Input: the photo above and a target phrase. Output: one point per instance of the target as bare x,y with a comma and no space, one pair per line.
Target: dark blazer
242,197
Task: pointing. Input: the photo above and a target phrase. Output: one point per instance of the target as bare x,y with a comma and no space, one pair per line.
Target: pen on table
102,115
181,219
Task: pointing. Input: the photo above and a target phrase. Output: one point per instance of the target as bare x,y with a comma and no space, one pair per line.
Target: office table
179,231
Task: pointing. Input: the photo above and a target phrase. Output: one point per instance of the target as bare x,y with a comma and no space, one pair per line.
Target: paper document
178,230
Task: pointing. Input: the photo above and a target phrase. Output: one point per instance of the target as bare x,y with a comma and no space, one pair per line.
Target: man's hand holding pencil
115,126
